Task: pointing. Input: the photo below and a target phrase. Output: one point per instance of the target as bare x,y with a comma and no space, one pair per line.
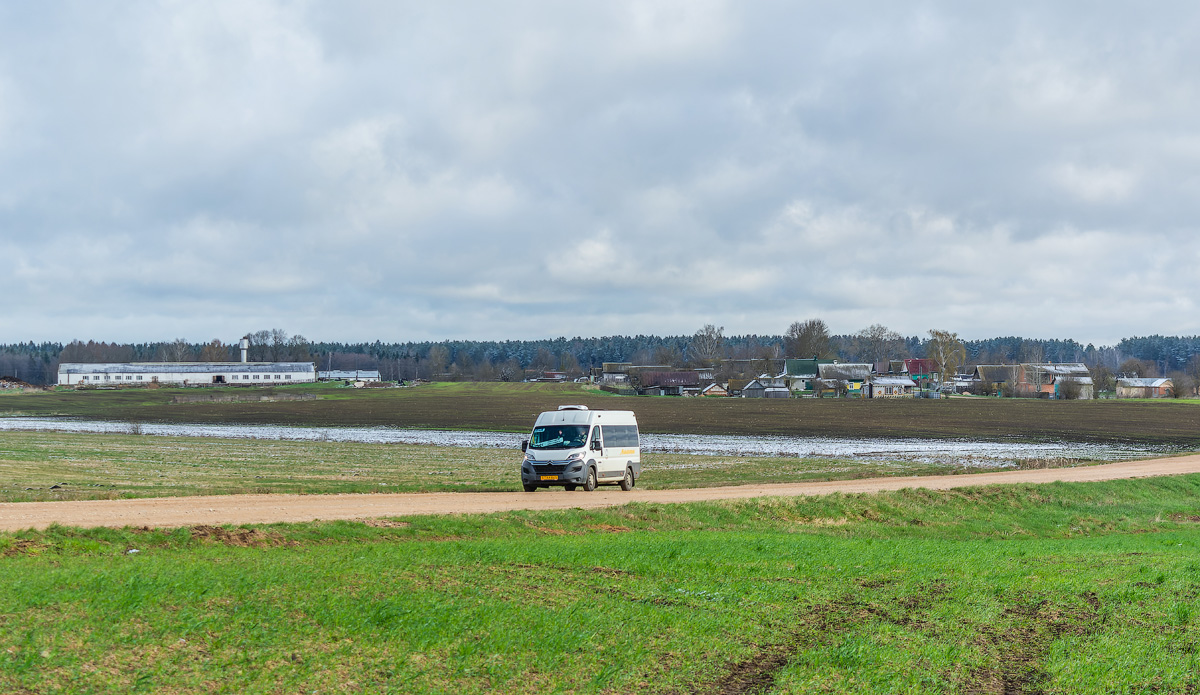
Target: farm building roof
1143,383
1077,369
921,365
182,367
892,380
354,374
996,373
807,367
849,371
737,384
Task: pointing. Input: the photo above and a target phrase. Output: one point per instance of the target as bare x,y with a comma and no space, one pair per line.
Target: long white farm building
115,373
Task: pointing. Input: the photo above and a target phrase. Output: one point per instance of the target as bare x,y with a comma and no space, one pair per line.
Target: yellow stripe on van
628,451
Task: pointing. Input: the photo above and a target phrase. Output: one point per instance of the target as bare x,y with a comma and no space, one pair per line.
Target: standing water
966,452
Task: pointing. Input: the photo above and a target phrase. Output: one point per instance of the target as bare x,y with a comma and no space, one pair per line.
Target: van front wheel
590,483
530,488
627,481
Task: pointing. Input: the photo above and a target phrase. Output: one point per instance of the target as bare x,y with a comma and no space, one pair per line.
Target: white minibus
575,447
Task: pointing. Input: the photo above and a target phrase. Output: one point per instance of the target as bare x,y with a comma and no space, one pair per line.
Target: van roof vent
572,407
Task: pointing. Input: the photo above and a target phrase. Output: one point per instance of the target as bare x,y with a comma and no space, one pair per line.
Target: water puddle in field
958,451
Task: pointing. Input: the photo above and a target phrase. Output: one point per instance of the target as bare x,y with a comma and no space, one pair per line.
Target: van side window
621,435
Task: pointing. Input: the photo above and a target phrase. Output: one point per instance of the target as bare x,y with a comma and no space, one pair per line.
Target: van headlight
577,456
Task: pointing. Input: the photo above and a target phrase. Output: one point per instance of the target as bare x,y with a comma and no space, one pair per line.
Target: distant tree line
512,360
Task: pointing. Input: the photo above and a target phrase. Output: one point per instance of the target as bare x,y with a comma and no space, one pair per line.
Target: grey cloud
367,170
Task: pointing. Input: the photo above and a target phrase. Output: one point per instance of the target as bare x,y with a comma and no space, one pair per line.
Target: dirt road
259,509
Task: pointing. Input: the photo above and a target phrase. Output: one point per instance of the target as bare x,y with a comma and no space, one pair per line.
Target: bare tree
299,349
509,371
667,355
567,363
92,351
485,371
464,366
948,350
178,350
215,351
878,343
1032,351
259,342
806,339
437,360
1182,385
1192,368
279,341
708,345
1069,389
1103,379
1141,368
544,360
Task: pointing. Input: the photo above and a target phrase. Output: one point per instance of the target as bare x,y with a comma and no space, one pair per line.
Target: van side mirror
595,445
525,445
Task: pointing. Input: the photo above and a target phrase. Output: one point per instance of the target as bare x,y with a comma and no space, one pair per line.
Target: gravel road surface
260,509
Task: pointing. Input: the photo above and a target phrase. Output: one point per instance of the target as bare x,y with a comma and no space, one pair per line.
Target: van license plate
549,477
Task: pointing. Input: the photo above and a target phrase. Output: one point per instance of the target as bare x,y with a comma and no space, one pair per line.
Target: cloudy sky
432,170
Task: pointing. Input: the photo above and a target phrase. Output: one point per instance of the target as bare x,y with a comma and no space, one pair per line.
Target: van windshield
559,437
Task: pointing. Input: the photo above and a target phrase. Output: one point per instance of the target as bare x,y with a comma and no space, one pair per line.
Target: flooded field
984,454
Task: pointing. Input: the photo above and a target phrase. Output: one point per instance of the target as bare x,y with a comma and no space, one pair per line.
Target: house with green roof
801,374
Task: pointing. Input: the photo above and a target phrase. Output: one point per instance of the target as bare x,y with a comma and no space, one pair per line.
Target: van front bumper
553,475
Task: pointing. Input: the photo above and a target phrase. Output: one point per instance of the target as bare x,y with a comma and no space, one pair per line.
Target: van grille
550,467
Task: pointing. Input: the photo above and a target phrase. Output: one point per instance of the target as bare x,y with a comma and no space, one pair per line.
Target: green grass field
104,466
1063,588
513,407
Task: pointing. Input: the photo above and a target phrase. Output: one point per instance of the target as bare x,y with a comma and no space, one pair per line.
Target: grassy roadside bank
1067,588
513,407
46,466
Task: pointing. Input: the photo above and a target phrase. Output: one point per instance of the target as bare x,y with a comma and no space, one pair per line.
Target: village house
668,383
713,390
890,386
735,386
1144,388
991,379
925,374
1050,380
766,387
614,373
801,375
851,376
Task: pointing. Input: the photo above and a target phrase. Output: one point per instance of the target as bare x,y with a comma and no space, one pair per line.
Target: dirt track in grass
262,509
